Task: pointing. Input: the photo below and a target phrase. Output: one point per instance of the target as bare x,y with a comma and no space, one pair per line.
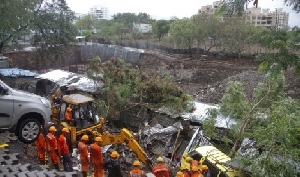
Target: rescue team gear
66,130
52,147
113,165
160,170
41,148
52,129
97,158
136,171
83,151
85,138
68,114
179,174
114,154
98,139
64,151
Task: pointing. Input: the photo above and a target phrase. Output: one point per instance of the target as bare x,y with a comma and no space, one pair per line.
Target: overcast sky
164,9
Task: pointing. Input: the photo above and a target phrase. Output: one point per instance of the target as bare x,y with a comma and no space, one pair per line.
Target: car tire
29,130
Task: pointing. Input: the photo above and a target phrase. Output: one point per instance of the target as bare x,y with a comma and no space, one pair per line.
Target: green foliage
161,28
87,22
182,32
271,121
125,88
282,57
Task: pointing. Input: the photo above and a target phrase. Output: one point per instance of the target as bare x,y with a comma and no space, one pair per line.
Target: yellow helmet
85,137
179,174
114,154
136,163
52,129
65,130
98,139
159,159
69,109
194,168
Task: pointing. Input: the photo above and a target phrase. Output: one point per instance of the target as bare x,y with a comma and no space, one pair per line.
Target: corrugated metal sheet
71,80
16,72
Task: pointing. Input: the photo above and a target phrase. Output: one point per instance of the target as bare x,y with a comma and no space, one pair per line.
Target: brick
50,174
9,174
14,167
22,174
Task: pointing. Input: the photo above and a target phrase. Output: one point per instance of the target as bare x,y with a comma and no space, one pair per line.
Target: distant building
273,19
259,17
100,12
142,28
210,9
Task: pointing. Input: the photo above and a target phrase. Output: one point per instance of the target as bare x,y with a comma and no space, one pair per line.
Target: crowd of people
58,148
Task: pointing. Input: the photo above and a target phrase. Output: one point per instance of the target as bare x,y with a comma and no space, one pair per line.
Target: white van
23,113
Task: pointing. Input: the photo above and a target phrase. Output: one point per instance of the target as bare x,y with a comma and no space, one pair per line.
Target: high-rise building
274,19
210,9
100,12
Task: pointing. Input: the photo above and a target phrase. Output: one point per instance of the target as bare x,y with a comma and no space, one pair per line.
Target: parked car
23,113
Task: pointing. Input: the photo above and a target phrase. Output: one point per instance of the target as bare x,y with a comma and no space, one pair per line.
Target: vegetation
125,88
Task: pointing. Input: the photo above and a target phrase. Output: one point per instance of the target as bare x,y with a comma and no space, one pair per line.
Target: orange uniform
68,114
136,172
52,148
194,163
83,151
41,146
196,174
97,160
160,170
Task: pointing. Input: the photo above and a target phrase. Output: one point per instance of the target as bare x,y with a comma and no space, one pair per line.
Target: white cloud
168,8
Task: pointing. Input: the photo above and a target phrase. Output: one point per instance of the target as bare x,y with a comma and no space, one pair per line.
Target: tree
182,32
125,88
161,28
15,20
87,22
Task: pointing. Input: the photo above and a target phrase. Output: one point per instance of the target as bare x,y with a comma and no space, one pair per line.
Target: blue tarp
16,72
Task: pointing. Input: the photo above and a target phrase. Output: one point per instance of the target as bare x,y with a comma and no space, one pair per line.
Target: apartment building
100,12
210,9
264,17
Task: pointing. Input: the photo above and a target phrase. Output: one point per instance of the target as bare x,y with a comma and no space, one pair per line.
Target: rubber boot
84,173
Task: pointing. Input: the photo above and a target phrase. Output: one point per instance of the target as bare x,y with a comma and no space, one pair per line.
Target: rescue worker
185,171
113,165
52,147
195,172
97,157
179,174
136,171
68,114
192,162
160,170
40,144
83,151
64,150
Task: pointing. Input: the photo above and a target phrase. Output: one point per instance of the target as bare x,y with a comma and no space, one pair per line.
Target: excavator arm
124,136
127,137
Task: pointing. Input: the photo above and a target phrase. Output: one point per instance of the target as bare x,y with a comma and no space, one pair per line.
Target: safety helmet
204,167
52,129
114,154
65,130
98,138
69,109
85,137
188,159
136,163
159,159
194,168
179,174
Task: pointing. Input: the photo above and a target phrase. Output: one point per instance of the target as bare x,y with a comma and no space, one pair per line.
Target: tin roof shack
67,81
19,78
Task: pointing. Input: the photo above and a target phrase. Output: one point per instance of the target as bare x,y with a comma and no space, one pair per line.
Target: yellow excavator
84,121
